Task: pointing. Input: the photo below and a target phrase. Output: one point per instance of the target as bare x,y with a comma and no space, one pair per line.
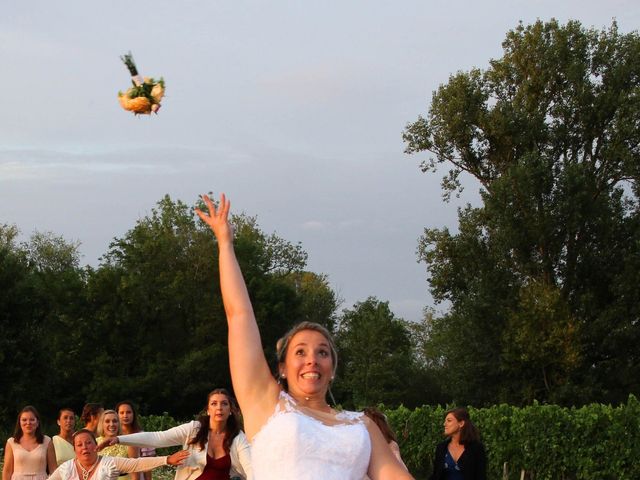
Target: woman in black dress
461,456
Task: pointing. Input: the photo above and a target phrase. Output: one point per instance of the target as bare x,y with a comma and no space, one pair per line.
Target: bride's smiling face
308,365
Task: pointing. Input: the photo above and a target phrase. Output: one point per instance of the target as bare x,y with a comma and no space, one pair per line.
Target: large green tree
376,359
146,324
158,325
541,276
41,302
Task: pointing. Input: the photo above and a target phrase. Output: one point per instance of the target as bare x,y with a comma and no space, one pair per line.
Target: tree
158,318
319,303
16,323
148,323
376,363
41,301
550,132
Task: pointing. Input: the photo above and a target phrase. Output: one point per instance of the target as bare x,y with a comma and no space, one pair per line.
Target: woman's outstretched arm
255,388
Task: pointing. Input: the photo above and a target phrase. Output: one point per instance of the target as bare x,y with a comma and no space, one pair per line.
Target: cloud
64,163
314,225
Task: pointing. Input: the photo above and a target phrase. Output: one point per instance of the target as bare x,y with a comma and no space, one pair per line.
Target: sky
294,109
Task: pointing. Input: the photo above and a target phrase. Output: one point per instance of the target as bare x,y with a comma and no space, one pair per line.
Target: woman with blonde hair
108,428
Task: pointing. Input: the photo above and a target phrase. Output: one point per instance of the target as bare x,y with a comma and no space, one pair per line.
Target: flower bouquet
145,94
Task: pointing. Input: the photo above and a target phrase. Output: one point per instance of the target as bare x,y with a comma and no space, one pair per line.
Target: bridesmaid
108,428
63,442
29,454
90,416
89,466
129,424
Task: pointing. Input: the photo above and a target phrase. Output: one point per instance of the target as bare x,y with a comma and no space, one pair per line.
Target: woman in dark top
461,456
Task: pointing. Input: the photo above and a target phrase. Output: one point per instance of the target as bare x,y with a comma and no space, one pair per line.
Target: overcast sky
295,109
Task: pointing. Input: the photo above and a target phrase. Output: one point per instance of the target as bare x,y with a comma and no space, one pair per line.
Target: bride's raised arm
256,390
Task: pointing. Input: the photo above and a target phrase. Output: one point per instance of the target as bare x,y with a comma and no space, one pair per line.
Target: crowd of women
292,432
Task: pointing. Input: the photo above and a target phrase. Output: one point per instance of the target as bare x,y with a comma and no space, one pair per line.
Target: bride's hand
218,218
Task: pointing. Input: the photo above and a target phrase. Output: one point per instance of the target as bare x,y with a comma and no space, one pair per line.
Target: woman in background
129,424
461,456
63,442
89,466
108,428
90,416
380,419
28,454
219,448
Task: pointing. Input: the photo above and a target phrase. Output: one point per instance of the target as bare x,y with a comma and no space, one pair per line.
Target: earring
282,375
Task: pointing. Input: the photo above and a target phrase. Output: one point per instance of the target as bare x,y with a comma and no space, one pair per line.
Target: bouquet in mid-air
146,93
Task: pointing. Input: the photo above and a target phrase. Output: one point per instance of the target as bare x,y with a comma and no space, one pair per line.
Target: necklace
87,473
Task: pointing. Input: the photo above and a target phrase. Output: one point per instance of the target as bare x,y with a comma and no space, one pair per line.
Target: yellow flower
157,92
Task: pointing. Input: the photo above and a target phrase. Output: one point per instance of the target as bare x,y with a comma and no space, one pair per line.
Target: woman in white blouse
89,466
213,437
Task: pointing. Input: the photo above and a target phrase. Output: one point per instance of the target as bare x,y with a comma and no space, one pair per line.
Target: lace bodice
295,445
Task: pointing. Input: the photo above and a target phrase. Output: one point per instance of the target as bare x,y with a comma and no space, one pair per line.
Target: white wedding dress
299,444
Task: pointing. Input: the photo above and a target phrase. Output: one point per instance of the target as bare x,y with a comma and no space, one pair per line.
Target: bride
294,433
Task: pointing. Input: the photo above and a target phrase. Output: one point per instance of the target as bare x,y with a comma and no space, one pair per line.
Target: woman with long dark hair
461,456
129,424
219,448
28,454
63,442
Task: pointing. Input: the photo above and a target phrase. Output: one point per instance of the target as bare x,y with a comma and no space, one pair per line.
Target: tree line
147,323
541,279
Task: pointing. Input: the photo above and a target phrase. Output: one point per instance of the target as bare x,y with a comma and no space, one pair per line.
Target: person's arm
168,438
395,448
57,475
241,456
133,452
52,463
383,465
7,467
256,390
130,465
